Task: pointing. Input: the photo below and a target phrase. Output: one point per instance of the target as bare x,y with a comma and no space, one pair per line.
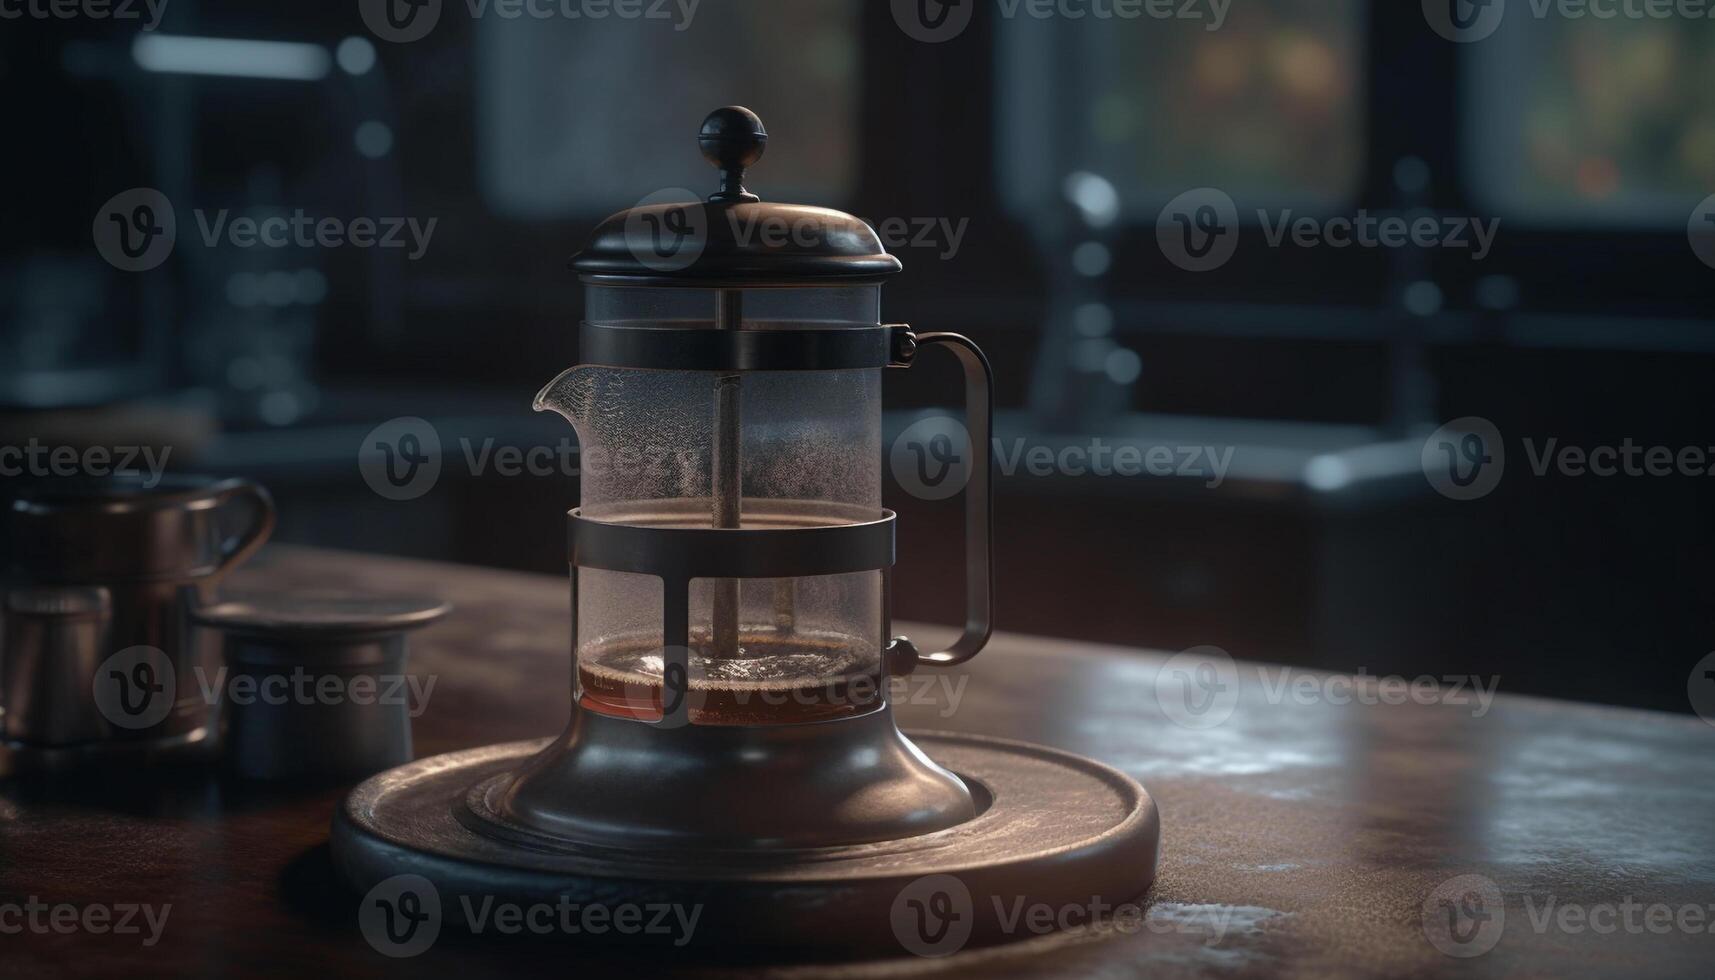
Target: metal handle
239,549
979,504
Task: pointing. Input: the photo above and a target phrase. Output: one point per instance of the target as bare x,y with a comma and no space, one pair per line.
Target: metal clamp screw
902,345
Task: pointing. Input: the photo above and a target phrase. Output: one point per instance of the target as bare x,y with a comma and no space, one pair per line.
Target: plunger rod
726,486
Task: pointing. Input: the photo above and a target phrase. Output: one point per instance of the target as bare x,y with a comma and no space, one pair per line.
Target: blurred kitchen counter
1302,837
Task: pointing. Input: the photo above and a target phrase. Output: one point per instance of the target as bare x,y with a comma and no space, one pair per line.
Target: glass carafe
710,449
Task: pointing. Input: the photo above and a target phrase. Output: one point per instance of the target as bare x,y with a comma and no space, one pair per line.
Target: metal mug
98,653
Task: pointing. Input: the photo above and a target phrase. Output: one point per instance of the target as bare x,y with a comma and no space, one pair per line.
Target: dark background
1592,143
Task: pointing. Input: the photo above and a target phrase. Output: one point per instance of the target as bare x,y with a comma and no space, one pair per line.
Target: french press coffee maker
730,565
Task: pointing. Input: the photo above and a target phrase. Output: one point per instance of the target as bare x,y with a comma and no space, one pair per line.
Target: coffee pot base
1051,829
618,782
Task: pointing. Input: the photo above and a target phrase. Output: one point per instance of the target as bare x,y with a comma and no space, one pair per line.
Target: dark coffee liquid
775,680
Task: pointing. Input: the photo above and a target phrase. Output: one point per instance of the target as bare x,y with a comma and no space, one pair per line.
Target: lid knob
733,139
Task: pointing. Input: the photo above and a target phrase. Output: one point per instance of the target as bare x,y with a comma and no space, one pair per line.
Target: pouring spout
558,396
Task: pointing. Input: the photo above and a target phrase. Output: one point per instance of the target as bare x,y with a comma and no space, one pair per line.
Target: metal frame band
778,549
757,279
792,348
785,539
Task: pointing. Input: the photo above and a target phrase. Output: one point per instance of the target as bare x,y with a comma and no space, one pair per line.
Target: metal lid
297,617
734,238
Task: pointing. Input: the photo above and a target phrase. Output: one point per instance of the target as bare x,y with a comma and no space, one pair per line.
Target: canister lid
299,617
734,238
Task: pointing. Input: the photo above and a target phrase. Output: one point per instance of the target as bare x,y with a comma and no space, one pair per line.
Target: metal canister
315,684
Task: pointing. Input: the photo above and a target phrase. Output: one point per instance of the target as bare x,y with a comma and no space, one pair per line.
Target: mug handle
902,654
236,550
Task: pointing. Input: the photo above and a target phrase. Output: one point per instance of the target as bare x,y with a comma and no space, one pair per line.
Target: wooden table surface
1301,837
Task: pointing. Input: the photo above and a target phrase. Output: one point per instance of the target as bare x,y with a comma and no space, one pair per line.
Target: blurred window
576,115
1590,120
1266,107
